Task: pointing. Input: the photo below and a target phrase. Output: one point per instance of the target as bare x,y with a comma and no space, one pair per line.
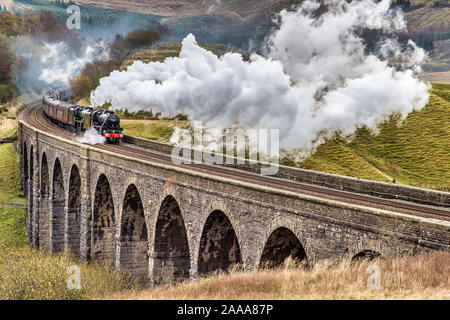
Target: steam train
78,118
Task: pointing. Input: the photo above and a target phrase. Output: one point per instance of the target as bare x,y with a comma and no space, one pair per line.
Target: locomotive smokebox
113,121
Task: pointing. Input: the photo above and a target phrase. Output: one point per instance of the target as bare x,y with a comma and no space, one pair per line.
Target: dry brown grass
436,76
30,274
420,277
8,128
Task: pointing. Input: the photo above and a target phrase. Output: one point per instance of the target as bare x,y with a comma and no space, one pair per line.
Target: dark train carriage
49,107
64,113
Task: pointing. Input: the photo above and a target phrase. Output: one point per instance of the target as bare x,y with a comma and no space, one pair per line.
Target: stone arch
103,223
219,246
58,204
366,255
171,259
74,212
44,211
31,210
133,235
281,244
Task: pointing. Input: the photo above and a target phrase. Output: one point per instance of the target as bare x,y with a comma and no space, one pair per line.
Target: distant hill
421,14
427,20
237,9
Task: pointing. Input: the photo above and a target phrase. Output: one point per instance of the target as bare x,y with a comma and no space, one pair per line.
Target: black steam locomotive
78,118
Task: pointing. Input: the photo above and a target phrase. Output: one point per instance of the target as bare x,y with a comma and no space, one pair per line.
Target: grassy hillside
179,8
9,174
166,50
425,14
159,130
415,153
436,76
12,227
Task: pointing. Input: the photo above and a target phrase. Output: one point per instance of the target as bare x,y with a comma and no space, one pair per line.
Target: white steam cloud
91,136
315,79
61,65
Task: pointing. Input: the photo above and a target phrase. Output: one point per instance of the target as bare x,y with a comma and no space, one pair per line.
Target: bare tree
7,60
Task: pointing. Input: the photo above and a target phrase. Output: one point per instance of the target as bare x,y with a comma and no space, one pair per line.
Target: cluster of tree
10,25
41,26
148,115
133,40
90,75
441,4
6,93
64,3
401,3
7,61
45,27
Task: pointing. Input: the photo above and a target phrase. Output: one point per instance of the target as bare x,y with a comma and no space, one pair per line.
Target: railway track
34,116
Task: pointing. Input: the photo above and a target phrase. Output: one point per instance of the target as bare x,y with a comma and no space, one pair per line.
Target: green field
13,232
159,130
9,174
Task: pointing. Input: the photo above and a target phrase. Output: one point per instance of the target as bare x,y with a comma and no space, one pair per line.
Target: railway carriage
78,118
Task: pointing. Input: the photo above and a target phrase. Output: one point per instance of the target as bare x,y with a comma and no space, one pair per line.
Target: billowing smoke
48,65
60,64
316,77
91,136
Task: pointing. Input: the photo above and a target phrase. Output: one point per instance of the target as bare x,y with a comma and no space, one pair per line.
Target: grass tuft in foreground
419,277
26,273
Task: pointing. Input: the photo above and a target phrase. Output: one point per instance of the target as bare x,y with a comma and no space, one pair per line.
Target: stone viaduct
166,223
